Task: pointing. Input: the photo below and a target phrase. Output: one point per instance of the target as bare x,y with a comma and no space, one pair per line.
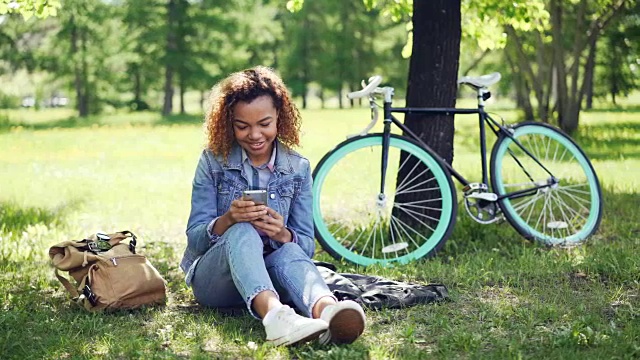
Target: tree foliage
555,56
28,8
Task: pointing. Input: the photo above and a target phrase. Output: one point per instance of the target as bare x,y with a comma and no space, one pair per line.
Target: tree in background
141,49
119,52
334,44
617,70
556,61
84,50
28,8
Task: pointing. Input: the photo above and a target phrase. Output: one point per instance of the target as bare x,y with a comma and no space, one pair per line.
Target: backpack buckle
90,295
98,246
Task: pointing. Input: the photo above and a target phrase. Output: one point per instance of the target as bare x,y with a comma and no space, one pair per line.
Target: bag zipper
115,262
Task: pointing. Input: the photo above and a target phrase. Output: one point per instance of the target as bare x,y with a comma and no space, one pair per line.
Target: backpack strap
67,285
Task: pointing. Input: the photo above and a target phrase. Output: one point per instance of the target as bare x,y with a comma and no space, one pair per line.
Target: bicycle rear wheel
567,208
355,222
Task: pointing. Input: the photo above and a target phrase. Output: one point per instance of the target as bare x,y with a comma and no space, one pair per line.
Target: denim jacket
218,182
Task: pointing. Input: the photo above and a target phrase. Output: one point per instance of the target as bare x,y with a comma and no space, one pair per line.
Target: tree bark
587,82
183,90
171,48
562,95
523,90
79,80
433,71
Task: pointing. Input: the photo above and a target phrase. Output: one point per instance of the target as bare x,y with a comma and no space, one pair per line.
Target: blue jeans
233,271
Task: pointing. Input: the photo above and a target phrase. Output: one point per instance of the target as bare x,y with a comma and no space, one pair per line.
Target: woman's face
255,127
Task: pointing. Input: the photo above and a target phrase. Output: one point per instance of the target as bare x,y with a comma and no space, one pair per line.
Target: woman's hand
245,211
272,224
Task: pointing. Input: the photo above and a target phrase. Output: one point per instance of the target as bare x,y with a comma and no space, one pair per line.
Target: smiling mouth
256,145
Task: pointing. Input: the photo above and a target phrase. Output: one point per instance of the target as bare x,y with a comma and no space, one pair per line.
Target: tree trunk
562,96
167,106
84,102
433,71
183,89
79,80
304,95
171,49
137,84
523,91
589,66
476,62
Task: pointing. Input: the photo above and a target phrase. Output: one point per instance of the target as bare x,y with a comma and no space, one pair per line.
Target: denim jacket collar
282,164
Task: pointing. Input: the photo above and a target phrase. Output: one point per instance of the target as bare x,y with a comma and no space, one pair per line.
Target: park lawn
64,179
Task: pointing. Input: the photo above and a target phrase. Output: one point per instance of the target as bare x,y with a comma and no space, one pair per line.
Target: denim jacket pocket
228,190
286,193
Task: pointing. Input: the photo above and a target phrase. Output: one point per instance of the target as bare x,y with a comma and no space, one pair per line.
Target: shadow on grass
610,141
619,223
99,120
612,108
14,218
601,141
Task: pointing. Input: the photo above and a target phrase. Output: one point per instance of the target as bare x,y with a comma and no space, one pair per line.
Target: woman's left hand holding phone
245,211
239,211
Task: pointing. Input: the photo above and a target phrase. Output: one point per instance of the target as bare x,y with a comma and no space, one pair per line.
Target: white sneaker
346,322
284,327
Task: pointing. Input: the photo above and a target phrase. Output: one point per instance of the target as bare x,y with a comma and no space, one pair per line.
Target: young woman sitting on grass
241,252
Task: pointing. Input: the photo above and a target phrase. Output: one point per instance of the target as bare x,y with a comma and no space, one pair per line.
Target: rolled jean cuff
313,303
255,293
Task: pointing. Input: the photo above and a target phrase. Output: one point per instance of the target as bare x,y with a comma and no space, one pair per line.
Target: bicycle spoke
572,217
580,201
421,207
418,191
572,188
414,216
409,176
421,201
567,211
573,211
412,229
527,201
397,225
401,189
409,211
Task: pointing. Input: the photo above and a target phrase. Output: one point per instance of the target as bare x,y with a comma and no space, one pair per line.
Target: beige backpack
108,273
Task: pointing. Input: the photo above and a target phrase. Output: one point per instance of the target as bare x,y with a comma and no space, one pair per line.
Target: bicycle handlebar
374,81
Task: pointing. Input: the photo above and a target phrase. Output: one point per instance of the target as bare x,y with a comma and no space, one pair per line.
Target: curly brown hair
246,86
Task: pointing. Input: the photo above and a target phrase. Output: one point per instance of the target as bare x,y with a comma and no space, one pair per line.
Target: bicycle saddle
482,81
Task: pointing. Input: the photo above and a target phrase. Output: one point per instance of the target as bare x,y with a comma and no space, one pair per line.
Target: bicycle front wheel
559,199
357,222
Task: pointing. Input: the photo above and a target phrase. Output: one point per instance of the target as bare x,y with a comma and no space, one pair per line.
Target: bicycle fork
386,139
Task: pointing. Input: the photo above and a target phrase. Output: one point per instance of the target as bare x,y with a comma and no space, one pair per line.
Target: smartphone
257,196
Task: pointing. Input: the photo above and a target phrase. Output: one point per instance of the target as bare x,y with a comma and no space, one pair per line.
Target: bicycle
403,205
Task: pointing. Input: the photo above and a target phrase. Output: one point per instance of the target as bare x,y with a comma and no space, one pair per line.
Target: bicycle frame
484,120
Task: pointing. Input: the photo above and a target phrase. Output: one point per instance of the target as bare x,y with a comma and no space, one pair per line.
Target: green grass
63,178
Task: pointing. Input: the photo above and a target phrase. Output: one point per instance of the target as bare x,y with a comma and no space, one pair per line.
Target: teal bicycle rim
594,207
445,221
